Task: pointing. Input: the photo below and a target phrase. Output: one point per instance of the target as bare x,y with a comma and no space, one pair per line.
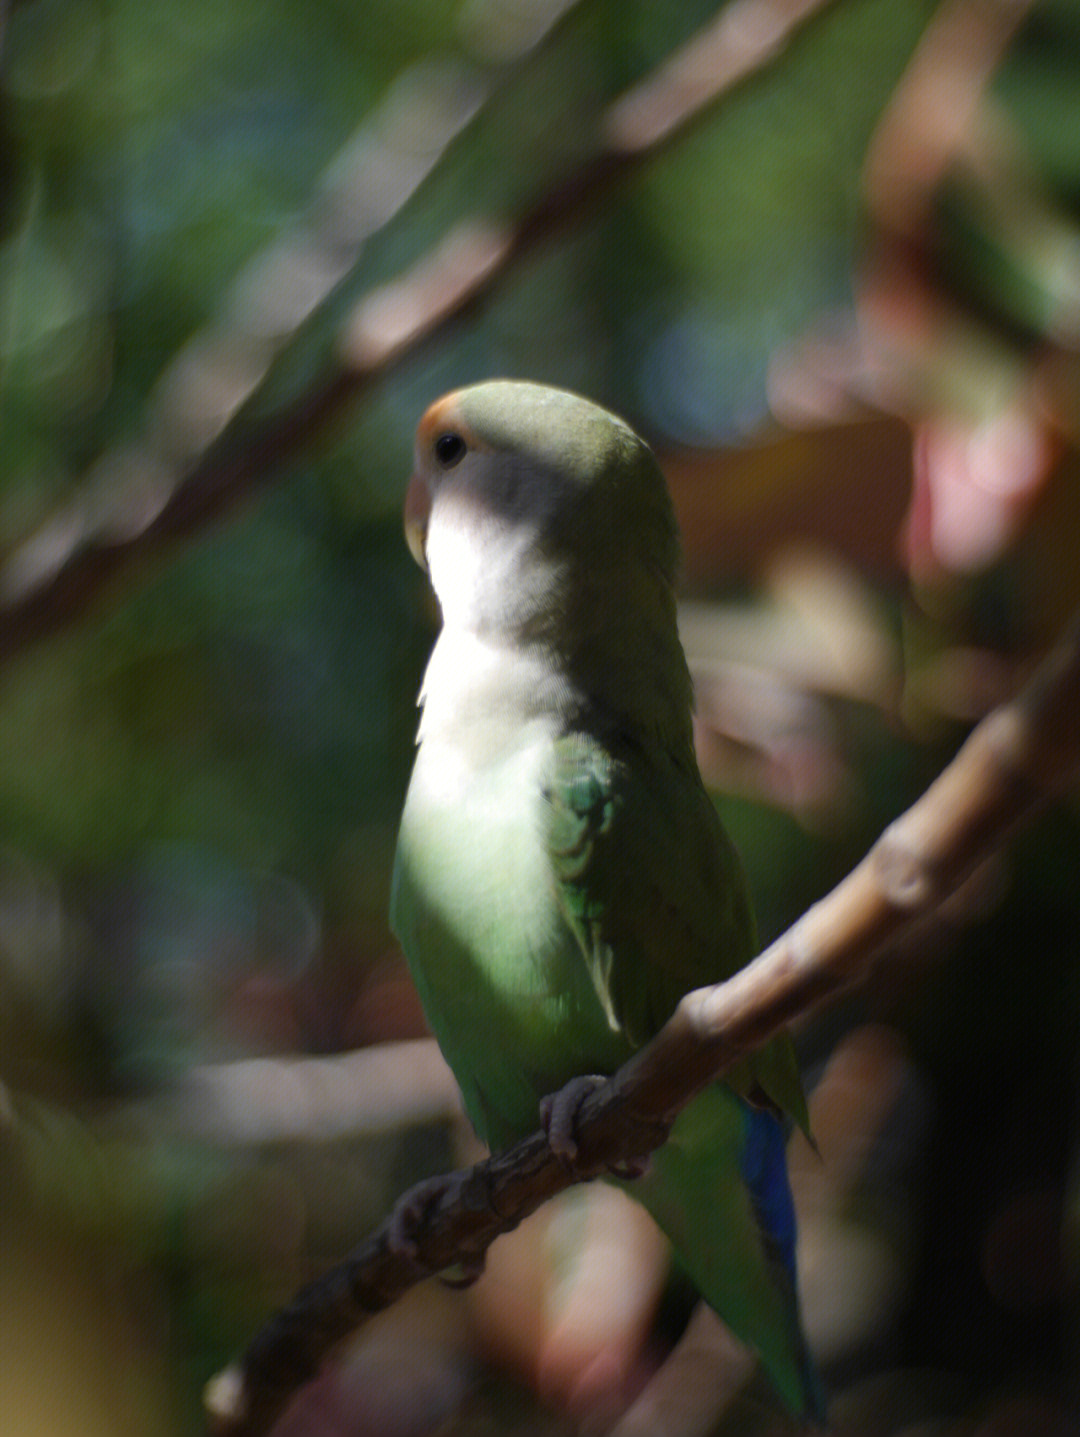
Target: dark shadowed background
843,303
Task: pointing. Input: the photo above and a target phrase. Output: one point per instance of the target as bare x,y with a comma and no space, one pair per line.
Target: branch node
905,878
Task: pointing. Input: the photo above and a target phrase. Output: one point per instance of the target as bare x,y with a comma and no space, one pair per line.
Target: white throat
476,568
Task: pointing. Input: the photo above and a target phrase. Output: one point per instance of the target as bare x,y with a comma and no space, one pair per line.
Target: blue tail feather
764,1170
719,1190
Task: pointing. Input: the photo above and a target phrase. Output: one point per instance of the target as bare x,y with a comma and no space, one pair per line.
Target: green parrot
562,877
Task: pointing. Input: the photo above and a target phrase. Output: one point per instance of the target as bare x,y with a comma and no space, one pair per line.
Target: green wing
654,892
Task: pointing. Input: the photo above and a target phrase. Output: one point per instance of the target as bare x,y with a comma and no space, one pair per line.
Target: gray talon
558,1116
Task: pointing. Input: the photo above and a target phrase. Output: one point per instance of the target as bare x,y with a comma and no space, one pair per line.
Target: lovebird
562,876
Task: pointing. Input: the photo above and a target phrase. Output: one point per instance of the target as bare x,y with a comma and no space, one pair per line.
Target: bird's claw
559,1113
631,1168
558,1117
468,1268
408,1215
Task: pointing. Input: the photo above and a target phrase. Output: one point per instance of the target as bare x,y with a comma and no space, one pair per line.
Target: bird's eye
449,450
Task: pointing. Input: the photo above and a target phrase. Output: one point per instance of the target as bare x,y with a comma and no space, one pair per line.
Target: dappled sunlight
826,259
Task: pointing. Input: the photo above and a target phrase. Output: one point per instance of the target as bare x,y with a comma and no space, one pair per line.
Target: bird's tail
719,1190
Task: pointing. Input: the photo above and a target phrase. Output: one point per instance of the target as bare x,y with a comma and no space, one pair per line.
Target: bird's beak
417,513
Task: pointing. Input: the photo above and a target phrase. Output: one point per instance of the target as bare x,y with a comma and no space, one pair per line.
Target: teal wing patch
646,877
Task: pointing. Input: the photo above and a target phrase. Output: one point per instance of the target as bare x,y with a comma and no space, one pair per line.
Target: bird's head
535,509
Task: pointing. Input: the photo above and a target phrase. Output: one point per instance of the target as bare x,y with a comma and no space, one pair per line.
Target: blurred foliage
200,777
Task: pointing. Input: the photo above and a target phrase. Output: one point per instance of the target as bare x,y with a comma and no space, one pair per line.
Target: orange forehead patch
442,417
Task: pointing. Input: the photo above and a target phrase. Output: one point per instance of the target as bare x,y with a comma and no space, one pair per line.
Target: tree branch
1016,759
255,1101
142,502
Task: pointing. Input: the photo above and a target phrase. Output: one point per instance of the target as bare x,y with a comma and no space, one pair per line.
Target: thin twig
1017,758
936,111
105,539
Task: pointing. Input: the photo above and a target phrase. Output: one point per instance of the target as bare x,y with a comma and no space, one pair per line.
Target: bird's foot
631,1168
559,1114
409,1214
558,1117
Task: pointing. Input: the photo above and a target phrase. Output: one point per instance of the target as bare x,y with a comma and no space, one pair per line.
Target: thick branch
1012,763
151,502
